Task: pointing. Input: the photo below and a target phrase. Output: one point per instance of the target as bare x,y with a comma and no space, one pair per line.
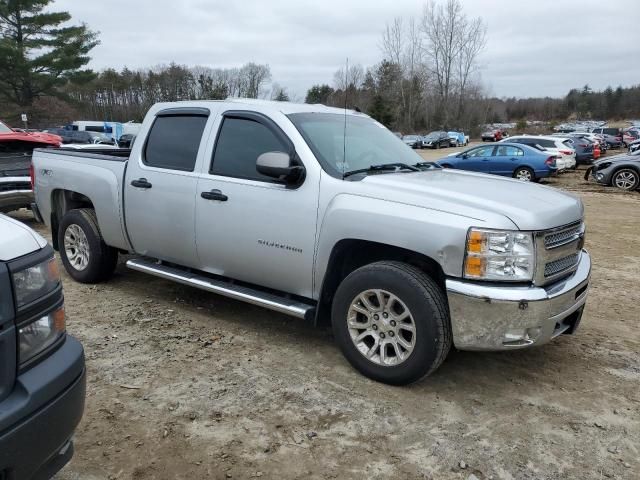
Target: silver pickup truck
324,214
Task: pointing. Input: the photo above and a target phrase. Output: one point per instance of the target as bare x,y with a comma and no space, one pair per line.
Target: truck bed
97,174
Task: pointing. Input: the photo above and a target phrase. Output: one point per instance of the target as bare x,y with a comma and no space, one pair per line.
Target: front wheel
524,174
85,255
391,322
626,179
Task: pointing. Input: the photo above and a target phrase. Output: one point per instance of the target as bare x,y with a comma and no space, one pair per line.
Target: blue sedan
508,159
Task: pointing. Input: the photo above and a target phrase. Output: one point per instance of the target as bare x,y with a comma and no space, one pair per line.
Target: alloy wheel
76,247
381,327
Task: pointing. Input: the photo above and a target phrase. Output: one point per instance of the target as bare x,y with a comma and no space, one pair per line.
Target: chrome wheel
381,327
524,175
76,247
626,180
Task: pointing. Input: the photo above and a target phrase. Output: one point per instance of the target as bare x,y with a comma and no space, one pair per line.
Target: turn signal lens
474,267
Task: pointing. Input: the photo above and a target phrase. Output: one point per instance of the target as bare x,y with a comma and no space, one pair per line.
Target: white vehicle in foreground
560,146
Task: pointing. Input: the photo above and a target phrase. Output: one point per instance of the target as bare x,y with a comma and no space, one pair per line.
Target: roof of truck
284,107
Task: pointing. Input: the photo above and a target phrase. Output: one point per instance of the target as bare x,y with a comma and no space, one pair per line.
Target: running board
271,301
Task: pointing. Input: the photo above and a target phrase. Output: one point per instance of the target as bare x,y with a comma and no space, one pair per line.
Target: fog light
599,176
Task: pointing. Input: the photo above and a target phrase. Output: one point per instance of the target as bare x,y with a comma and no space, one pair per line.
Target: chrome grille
563,237
561,265
558,252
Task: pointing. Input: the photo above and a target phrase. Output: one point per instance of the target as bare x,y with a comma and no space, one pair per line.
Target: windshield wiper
382,167
421,165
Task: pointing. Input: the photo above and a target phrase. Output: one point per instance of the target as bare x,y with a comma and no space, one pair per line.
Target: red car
15,160
492,136
17,139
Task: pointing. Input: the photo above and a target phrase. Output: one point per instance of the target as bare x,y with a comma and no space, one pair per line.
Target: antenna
344,137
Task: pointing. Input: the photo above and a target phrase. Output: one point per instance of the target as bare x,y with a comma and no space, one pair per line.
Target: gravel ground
186,384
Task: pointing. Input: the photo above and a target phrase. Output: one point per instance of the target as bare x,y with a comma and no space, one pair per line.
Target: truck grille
563,237
11,186
558,252
561,265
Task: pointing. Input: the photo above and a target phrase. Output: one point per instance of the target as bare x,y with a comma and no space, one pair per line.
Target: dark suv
42,370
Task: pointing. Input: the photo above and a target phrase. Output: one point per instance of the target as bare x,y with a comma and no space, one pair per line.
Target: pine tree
39,51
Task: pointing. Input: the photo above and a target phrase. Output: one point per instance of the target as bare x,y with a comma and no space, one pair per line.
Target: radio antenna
344,137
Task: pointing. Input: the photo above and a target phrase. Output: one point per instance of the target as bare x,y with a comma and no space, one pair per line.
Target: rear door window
173,142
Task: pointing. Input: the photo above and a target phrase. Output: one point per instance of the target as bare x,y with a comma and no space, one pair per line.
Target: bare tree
452,45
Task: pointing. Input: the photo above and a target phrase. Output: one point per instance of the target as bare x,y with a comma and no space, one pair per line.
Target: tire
92,261
413,291
525,174
626,179
446,165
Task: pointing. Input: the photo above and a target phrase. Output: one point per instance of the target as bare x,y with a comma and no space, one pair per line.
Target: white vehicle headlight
499,255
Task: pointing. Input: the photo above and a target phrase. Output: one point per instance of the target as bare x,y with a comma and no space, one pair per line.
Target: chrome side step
277,303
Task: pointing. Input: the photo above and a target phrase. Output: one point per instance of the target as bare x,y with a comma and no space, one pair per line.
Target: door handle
214,195
141,183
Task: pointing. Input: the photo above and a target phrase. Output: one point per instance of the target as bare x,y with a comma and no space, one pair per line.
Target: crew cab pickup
321,214
42,372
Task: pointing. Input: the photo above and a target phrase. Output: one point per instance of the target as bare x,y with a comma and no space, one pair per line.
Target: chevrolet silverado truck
42,372
324,214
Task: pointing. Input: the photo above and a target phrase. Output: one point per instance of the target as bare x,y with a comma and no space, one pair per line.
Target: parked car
12,140
436,140
508,159
42,372
621,171
101,139
614,132
633,146
15,158
583,148
458,139
630,136
71,136
559,146
492,136
404,259
413,141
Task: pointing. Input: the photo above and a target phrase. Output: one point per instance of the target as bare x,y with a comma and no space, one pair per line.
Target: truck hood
33,139
17,239
528,205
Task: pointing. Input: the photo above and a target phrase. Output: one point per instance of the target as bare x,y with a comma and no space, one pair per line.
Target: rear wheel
525,174
85,255
626,179
391,322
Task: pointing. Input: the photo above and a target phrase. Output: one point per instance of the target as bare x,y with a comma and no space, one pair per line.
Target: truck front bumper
38,419
15,193
491,317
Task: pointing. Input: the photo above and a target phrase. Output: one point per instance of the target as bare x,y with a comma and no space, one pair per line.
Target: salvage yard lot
186,384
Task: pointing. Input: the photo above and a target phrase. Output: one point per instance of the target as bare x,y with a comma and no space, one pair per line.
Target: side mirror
279,165
465,155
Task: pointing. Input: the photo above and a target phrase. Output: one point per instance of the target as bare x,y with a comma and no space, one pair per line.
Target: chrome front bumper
16,197
490,317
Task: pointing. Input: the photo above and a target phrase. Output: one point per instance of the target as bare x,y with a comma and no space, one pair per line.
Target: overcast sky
534,48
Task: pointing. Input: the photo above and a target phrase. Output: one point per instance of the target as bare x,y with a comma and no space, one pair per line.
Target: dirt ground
186,384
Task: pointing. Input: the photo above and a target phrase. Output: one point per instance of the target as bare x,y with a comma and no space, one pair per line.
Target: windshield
4,128
367,142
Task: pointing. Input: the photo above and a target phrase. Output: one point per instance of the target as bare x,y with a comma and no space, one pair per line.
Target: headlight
34,282
40,334
499,255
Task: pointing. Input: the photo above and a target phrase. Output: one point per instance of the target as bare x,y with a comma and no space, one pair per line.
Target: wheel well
61,202
349,255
